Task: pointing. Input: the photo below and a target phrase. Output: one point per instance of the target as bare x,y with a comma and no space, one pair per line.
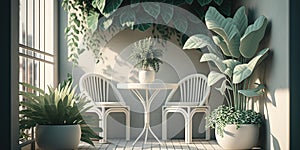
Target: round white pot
244,137
146,76
50,137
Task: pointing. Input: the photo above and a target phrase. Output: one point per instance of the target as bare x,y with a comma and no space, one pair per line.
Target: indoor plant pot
146,57
146,76
58,115
234,138
236,58
51,137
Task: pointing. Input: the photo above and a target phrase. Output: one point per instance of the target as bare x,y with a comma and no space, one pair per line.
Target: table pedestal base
146,130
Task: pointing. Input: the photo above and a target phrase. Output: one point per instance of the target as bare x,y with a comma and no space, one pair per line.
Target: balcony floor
116,144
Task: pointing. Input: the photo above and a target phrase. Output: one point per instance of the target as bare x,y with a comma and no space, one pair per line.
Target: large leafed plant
236,60
59,106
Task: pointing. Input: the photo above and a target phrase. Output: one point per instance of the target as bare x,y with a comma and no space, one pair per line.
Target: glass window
37,44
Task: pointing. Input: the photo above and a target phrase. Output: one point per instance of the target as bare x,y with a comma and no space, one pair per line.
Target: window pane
36,45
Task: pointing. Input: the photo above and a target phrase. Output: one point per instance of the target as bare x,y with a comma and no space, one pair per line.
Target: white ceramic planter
146,76
50,137
245,137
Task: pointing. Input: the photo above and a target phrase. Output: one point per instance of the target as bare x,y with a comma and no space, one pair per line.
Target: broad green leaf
127,18
215,59
218,2
240,19
31,105
105,23
214,77
222,88
167,12
145,19
201,41
153,9
32,87
230,64
259,90
243,71
225,28
252,36
180,23
110,7
204,2
99,4
221,43
197,41
92,20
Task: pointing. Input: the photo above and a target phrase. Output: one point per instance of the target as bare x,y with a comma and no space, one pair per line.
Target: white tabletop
148,86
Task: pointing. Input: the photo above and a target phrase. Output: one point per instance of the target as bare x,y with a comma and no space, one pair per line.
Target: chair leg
186,129
101,133
190,128
127,125
104,129
164,125
206,122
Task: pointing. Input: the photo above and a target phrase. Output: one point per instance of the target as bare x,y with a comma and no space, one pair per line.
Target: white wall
275,107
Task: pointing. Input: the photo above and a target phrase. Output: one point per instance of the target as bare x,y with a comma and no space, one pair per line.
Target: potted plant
236,126
147,58
57,116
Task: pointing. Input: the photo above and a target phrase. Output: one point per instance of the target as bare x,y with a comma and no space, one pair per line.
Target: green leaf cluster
59,106
145,55
86,16
226,115
236,56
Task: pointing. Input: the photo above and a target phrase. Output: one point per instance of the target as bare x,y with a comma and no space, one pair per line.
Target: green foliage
145,55
226,115
236,64
84,19
60,106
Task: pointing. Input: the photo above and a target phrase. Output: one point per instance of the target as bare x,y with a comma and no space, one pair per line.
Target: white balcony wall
276,106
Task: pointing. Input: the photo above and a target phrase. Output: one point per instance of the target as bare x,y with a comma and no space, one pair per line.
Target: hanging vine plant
86,16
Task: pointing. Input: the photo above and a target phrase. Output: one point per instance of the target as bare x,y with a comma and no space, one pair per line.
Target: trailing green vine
86,16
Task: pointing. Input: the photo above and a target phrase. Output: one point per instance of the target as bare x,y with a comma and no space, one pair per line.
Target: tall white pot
244,137
52,137
146,76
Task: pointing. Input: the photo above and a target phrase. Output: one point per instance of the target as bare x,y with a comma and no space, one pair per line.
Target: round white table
146,102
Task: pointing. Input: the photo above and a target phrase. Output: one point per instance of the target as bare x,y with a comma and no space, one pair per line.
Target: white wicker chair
194,93
96,88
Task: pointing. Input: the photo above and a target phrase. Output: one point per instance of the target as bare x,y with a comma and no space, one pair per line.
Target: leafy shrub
226,115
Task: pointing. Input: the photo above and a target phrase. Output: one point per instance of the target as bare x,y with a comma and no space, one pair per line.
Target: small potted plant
57,116
147,58
236,126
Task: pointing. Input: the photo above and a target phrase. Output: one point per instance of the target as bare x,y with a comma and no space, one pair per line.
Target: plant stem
230,97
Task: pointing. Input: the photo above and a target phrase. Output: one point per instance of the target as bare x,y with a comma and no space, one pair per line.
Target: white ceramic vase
245,137
146,76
